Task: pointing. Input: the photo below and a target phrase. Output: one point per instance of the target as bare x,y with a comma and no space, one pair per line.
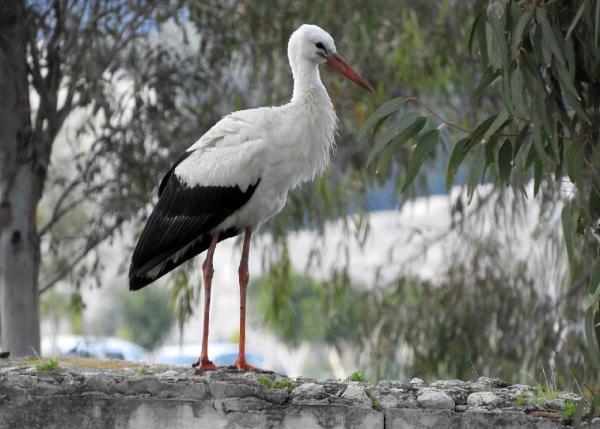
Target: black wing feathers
181,223
138,281
166,177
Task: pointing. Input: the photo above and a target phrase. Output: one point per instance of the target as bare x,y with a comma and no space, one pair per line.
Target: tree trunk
20,191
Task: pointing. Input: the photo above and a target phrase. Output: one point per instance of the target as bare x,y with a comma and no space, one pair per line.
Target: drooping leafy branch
542,59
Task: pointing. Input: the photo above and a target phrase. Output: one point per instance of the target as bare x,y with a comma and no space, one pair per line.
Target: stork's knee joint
207,270
244,275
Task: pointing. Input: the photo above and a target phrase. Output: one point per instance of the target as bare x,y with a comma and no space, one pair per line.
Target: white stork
238,174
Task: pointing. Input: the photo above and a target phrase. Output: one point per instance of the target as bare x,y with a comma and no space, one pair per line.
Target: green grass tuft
357,375
30,360
48,365
144,371
375,403
283,383
522,400
569,411
265,381
545,393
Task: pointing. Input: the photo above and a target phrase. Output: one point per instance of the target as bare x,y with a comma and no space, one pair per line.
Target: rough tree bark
37,50
21,182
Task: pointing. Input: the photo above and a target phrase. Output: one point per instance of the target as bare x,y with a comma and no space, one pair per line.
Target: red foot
205,365
241,364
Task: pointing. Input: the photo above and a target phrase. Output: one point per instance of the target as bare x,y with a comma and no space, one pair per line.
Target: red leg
204,363
240,362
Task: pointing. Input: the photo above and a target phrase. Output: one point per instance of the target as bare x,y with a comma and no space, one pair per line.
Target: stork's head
312,44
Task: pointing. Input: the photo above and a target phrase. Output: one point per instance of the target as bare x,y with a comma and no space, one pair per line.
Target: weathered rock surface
356,393
107,394
483,399
436,400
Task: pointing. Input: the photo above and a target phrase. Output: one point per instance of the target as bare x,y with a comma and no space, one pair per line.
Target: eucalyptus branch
59,212
483,202
76,35
433,113
35,67
90,245
53,57
454,124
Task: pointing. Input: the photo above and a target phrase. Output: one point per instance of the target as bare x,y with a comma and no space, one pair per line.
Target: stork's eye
319,45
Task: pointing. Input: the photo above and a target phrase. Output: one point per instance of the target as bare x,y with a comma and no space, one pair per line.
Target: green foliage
357,375
56,305
283,383
182,297
545,393
553,66
423,149
47,365
591,399
375,402
144,317
499,324
105,62
400,131
264,380
541,59
284,299
569,411
522,400
142,371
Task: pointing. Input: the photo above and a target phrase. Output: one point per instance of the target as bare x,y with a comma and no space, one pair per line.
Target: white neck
312,108
307,81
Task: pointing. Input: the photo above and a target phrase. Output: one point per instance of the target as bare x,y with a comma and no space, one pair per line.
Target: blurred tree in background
145,319
542,61
61,57
56,306
481,317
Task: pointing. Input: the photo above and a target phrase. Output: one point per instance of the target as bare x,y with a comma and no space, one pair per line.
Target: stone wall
106,394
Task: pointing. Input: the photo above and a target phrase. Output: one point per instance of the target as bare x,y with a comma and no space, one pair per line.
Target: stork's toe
205,365
242,365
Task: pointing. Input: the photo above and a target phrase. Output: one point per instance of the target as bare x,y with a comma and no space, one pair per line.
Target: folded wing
206,185
180,226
